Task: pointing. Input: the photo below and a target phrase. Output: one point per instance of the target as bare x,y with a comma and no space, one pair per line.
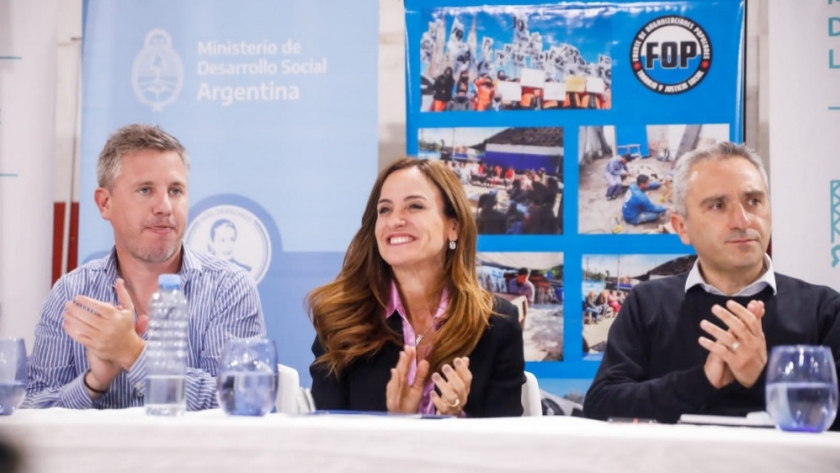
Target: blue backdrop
276,102
626,37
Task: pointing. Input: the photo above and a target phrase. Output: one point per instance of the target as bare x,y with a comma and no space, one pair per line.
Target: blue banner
564,121
276,103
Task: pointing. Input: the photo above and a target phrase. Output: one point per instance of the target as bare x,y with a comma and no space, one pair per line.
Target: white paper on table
510,91
555,91
753,419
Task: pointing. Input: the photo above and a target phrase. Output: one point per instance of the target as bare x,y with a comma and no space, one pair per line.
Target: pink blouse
410,335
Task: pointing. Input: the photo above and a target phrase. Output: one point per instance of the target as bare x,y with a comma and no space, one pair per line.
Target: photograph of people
520,285
513,177
222,244
406,326
515,58
606,281
533,283
625,175
442,89
638,208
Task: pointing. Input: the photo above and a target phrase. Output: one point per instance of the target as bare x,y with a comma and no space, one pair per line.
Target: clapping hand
739,353
108,332
399,395
454,386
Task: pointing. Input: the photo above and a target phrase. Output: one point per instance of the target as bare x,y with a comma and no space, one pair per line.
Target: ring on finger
456,403
734,345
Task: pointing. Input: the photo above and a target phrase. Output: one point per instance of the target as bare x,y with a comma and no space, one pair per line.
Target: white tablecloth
58,440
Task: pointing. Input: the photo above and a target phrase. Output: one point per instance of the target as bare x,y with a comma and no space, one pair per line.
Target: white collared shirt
695,277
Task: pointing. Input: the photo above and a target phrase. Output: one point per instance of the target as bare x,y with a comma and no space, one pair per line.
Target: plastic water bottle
166,349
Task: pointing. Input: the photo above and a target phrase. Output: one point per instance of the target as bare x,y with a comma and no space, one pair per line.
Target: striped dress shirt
224,303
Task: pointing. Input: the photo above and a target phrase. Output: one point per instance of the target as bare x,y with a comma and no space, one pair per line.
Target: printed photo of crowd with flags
515,58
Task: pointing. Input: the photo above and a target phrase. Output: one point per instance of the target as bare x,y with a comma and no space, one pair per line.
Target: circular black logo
671,55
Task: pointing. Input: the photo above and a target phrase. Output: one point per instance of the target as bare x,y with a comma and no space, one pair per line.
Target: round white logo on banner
234,234
157,75
671,55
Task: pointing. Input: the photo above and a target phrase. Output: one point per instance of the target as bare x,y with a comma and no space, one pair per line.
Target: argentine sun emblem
157,75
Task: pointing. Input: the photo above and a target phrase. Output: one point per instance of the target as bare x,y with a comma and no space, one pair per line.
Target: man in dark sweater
697,343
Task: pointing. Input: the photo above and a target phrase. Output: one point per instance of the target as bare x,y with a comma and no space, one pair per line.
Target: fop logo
671,55
157,75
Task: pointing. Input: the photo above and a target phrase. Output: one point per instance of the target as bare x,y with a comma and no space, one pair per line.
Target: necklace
423,335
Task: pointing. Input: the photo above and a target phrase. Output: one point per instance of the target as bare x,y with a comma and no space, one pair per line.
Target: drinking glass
247,379
802,388
12,374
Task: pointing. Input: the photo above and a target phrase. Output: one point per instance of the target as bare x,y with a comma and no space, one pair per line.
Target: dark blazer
497,364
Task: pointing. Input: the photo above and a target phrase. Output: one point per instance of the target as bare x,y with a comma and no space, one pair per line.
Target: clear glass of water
247,379
12,374
801,388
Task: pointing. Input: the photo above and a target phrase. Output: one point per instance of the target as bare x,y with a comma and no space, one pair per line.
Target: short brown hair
131,138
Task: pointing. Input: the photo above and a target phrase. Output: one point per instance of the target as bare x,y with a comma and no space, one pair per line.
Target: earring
451,244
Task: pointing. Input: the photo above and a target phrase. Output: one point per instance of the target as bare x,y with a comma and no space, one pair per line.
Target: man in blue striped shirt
89,344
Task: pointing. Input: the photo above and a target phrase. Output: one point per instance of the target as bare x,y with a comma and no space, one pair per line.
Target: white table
58,440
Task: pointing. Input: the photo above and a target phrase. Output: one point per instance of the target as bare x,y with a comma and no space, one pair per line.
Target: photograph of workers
626,175
533,283
512,176
491,58
606,281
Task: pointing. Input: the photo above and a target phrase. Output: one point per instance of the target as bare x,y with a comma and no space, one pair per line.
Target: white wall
27,121
804,103
392,138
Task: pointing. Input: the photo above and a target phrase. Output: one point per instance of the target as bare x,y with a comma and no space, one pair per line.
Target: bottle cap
169,281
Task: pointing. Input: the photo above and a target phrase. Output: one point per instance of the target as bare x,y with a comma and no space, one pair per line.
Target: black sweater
653,363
